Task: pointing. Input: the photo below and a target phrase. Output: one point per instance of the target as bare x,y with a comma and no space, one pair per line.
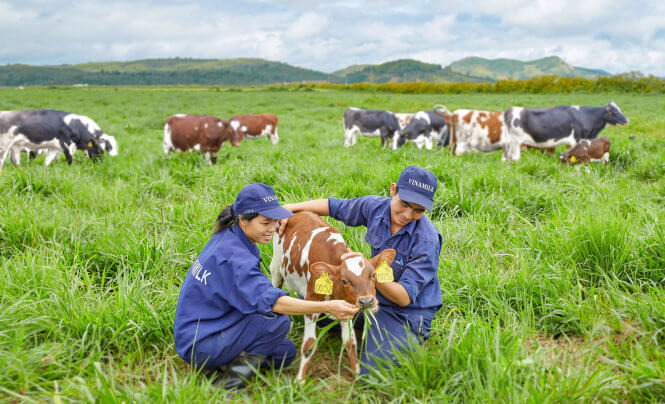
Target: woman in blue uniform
409,302
228,314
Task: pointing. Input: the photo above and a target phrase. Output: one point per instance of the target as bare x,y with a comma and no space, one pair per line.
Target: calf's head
232,131
354,280
576,155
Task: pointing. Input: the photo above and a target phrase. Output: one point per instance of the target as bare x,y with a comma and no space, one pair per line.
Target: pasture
552,277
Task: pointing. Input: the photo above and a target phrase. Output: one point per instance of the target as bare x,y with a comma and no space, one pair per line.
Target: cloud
617,35
308,25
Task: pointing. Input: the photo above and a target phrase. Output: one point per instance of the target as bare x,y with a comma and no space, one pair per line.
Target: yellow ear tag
323,285
572,159
384,273
90,143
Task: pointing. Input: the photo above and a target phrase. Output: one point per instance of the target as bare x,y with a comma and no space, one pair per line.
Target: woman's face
259,229
402,212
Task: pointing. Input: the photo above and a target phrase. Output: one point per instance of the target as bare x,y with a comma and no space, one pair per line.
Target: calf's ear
317,268
388,255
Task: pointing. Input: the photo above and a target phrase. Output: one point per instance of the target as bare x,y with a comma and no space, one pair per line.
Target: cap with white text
417,185
259,198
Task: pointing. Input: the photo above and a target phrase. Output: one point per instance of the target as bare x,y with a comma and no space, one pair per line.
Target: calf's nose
366,302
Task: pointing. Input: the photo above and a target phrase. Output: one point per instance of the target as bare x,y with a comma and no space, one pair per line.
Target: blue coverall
225,307
418,246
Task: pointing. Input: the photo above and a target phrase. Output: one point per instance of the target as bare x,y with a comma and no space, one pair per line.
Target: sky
613,35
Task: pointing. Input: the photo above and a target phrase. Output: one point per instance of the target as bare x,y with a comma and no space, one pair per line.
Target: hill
252,71
498,69
403,70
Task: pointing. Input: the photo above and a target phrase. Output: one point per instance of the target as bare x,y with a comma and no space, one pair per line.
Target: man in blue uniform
409,302
228,314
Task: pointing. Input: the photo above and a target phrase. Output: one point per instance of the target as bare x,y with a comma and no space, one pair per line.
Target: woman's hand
341,309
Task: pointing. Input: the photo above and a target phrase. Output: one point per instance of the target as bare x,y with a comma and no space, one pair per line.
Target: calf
254,126
204,133
311,251
478,130
424,128
47,129
370,123
564,125
588,151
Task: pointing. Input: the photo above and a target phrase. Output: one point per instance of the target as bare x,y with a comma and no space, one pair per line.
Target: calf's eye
344,282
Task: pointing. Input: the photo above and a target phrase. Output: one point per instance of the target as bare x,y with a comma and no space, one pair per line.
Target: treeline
633,82
21,75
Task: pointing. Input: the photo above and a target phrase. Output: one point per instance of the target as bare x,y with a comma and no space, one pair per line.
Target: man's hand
341,310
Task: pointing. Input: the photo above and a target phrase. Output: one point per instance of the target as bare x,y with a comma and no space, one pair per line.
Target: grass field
552,277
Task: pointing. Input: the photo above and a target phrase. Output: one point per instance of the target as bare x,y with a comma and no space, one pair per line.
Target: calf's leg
349,342
308,346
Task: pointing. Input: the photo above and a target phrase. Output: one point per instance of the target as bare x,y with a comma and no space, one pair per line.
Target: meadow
552,277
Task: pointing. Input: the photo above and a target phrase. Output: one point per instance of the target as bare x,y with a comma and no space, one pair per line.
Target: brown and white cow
587,151
204,133
311,250
478,130
254,126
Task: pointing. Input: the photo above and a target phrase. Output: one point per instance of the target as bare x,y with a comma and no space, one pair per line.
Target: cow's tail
168,143
441,110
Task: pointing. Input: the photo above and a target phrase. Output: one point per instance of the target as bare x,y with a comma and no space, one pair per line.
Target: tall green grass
551,276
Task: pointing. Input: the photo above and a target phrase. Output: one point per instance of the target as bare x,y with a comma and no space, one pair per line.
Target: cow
564,125
478,130
588,151
424,128
46,129
254,126
107,144
204,133
309,252
370,123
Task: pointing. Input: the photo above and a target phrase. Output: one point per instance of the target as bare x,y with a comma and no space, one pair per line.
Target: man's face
402,212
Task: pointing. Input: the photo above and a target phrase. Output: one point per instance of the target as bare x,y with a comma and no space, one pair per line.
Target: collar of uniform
384,216
241,235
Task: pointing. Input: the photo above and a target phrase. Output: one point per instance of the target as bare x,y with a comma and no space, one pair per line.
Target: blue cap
259,198
417,185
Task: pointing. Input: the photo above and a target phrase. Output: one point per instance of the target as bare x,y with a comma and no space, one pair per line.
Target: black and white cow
425,128
369,123
559,126
50,130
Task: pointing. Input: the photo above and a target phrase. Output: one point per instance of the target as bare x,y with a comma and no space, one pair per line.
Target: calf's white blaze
355,265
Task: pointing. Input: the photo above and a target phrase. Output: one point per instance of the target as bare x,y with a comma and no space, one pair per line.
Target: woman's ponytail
225,219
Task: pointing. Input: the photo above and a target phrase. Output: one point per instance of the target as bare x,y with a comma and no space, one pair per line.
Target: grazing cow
425,128
254,126
312,259
478,130
107,144
370,123
204,133
47,129
560,126
588,151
